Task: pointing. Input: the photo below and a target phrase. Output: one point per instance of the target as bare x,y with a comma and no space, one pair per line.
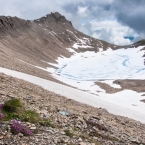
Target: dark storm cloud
131,13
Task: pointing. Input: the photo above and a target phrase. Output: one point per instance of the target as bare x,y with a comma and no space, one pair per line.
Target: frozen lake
118,64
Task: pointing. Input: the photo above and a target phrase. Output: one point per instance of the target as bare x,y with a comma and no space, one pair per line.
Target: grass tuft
30,116
47,123
14,108
68,133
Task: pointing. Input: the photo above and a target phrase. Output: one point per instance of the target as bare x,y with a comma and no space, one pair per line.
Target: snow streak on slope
81,43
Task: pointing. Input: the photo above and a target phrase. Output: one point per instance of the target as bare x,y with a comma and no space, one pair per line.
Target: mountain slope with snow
52,49
40,41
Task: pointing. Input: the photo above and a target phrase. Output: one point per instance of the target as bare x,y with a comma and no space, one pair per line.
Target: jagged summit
54,20
58,16
54,17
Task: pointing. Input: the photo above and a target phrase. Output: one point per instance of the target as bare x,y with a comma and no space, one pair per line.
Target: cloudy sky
116,21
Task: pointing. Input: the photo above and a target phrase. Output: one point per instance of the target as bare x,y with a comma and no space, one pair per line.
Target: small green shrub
13,106
74,123
68,133
30,116
12,109
10,116
47,123
1,114
15,109
75,129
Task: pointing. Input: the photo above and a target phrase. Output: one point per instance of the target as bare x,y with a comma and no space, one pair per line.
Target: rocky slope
72,123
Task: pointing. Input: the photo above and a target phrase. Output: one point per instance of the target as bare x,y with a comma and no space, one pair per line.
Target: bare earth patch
108,88
143,100
134,85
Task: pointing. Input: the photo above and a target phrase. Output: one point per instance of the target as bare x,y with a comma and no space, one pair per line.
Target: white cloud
83,11
112,31
117,37
106,24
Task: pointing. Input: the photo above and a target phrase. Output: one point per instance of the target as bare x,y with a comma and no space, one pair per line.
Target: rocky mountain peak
54,18
58,16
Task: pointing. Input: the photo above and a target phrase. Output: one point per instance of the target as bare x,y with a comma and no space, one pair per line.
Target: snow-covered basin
81,70
88,66
85,97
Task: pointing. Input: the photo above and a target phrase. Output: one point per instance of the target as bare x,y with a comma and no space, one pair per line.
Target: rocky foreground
70,122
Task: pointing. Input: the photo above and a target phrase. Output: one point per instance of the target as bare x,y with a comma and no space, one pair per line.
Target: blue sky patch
131,38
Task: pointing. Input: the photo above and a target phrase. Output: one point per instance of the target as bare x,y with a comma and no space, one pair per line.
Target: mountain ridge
8,22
